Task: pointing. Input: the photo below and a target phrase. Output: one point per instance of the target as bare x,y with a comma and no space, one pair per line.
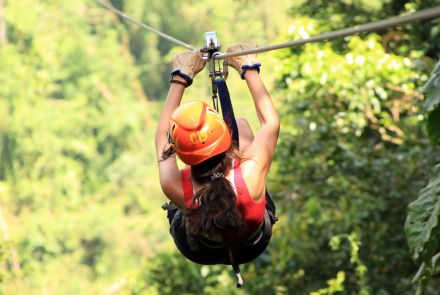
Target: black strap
235,266
227,109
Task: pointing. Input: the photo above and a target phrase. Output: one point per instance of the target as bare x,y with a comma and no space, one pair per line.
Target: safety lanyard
227,109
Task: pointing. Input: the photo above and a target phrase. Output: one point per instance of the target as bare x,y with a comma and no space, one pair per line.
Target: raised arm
260,152
266,137
172,101
185,66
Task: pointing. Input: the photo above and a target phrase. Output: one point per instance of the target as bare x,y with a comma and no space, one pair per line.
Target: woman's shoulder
249,164
253,177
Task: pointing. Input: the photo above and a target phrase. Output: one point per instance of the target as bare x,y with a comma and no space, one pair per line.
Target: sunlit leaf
432,90
423,216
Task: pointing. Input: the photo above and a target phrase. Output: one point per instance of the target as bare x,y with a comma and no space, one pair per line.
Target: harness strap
187,186
227,109
235,267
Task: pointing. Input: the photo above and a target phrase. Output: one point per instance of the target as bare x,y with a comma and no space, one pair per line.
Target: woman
222,205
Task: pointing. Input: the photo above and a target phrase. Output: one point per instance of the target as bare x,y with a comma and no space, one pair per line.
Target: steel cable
425,14
129,18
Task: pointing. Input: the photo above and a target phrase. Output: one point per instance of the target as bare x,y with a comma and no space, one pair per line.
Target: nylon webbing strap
229,117
227,109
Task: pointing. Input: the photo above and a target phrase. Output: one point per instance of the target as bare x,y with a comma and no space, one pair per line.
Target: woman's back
251,211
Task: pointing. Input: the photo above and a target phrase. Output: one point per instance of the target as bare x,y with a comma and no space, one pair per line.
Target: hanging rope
425,14
163,35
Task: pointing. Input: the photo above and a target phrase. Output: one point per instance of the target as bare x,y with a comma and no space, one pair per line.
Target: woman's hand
244,62
188,64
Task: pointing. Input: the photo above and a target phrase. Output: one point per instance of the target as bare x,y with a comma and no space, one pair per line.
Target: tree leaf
434,126
420,274
432,90
423,216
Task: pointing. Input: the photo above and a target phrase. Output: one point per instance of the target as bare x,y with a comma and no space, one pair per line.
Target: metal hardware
211,45
217,69
209,51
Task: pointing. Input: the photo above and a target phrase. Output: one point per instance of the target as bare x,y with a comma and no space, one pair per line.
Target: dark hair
167,153
213,209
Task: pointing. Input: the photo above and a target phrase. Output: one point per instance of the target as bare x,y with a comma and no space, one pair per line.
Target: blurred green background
81,91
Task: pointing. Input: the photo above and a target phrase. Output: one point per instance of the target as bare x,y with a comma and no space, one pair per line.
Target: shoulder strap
238,178
187,186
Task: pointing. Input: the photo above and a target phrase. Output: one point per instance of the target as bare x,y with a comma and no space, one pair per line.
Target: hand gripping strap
227,109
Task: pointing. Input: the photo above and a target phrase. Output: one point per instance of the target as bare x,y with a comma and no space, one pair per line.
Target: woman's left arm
172,101
186,65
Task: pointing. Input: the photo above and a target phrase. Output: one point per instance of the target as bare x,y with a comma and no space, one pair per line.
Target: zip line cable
426,14
144,26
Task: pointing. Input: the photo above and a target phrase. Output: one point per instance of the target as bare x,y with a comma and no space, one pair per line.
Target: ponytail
213,209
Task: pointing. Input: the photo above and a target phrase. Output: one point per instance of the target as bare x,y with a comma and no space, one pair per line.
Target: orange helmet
197,132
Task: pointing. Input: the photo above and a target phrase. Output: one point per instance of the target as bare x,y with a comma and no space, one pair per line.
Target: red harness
252,212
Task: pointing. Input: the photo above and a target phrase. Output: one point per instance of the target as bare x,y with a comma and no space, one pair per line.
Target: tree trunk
3,35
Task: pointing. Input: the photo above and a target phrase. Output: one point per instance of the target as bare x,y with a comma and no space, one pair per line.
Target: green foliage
337,284
3,260
80,110
334,285
169,273
422,221
422,229
349,159
432,104
433,130
360,268
188,21
78,179
73,149
335,15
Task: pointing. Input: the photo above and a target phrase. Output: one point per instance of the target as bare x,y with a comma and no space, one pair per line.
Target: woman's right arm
262,148
265,140
260,152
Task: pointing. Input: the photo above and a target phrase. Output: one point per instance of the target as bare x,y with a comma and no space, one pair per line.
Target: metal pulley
211,45
209,51
217,69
